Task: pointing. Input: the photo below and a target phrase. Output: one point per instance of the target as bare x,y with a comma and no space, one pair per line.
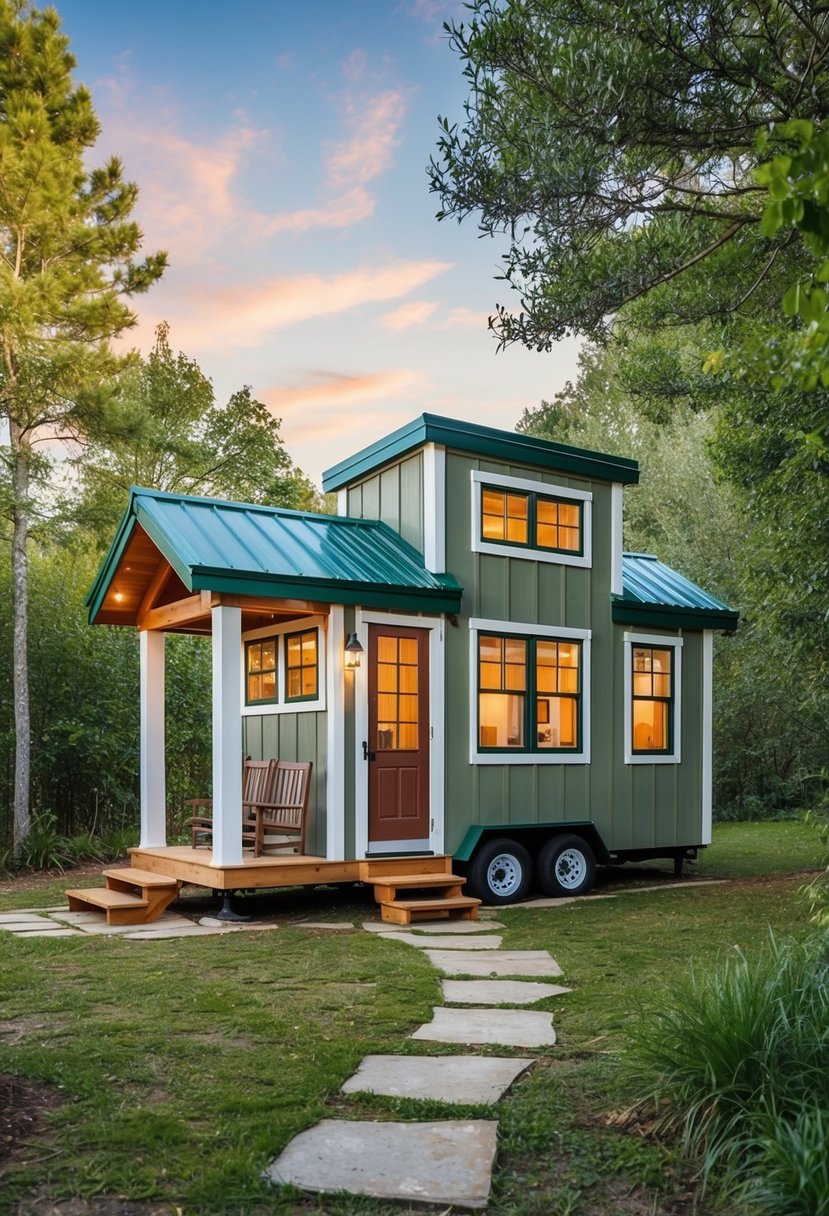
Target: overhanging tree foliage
185,443
67,261
613,144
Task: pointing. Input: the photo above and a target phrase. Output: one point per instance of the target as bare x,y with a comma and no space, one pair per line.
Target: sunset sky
281,150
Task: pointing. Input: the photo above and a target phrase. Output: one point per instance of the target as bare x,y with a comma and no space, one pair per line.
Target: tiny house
477,671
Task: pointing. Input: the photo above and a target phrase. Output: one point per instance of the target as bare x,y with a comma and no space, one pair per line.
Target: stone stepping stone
440,927
147,933
15,917
494,962
442,1078
504,1027
488,941
498,992
441,1163
49,931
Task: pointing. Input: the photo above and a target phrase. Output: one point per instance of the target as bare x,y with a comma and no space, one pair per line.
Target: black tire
566,866
500,872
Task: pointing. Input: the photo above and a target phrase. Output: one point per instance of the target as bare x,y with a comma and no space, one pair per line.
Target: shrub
738,1055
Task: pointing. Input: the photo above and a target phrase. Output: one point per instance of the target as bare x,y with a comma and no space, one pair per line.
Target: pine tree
67,262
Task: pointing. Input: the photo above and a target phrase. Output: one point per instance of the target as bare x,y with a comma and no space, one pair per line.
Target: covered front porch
238,574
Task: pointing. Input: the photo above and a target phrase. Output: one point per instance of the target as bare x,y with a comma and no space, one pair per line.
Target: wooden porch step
133,877
408,911
131,896
386,886
444,900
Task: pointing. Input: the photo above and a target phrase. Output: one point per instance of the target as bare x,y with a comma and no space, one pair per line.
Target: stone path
60,922
446,1162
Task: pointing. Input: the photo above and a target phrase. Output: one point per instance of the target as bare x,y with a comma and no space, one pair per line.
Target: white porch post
227,736
152,756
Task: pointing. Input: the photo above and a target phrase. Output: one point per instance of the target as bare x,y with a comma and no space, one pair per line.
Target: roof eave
670,616
470,437
329,591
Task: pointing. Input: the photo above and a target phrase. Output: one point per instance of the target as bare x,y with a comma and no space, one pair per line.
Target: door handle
367,755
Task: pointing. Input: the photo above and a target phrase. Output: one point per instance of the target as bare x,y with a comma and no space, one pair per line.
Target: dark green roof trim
656,595
246,549
509,446
666,617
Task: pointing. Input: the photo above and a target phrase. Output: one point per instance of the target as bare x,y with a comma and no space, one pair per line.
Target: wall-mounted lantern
353,650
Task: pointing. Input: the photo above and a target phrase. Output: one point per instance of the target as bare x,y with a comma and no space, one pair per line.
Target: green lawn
181,1067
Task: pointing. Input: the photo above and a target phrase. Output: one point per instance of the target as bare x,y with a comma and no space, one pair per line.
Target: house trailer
485,683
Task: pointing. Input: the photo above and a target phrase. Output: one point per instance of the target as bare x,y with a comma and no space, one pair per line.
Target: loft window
652,699
260,671
529,694
534,520
301,666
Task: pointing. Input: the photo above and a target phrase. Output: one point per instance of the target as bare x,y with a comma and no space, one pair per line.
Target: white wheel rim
571,869
504,874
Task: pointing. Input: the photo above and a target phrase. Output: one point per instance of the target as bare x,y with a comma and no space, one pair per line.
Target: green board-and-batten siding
395,496
298,736
633,806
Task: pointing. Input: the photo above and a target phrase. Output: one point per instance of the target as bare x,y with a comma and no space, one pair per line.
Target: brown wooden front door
398,729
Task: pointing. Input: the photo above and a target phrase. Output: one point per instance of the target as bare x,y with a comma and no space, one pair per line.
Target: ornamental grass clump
738,1062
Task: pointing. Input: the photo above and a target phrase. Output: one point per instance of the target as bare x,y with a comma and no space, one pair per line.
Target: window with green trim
529,694
301,666
534,520
652,688
260,671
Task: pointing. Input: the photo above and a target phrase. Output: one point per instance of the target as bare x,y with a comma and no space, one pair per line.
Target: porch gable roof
245,549
655,595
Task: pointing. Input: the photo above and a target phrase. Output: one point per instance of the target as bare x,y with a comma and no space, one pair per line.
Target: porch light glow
353,650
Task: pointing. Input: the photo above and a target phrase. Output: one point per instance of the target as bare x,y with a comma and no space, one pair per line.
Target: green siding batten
299,736
395,496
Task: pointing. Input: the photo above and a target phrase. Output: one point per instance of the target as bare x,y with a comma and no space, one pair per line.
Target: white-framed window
283,667
653,688
529,693
531,520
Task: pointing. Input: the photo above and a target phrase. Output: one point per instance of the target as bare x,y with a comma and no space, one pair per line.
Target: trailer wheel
566,866
500,872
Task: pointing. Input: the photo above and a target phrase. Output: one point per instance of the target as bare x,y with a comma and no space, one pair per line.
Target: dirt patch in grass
33,880
23,1106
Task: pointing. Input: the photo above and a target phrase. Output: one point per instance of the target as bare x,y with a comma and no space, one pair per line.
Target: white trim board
707,734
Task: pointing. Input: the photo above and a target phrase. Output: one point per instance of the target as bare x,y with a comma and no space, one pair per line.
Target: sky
280,149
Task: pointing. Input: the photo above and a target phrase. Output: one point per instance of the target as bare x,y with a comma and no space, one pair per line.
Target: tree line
659,175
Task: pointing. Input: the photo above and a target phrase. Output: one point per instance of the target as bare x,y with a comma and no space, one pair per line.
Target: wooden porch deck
188,865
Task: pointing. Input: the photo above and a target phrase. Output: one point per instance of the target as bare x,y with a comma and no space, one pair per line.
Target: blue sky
280,150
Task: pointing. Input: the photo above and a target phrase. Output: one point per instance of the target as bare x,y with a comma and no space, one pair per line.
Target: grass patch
184,1066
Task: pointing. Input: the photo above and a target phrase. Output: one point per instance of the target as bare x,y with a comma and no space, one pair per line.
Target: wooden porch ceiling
146,592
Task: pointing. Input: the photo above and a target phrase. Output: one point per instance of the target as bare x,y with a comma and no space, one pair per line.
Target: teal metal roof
509,446
655,594
241,549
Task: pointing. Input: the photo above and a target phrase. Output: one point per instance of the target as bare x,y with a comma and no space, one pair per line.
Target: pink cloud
242,315
367,154
408,315
341,212
324,389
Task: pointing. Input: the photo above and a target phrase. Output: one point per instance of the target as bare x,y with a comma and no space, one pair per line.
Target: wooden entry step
131,896
439,897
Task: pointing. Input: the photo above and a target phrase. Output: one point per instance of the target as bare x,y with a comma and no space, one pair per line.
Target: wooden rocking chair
258,783
284,813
